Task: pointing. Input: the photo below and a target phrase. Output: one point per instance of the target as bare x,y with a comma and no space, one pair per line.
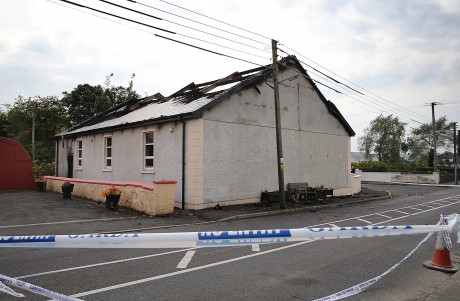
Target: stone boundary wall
156,199
398,177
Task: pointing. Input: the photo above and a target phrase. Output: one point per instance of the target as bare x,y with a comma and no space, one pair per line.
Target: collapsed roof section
189,102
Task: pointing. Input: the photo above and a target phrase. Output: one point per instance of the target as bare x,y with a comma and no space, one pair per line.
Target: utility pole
279,143
455,153
435,160
458,143
33,136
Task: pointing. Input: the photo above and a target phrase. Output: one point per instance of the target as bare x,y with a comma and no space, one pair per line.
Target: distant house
217,139
358,157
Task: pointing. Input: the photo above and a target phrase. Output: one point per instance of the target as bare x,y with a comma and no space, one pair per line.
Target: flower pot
111,201
41,186
67,189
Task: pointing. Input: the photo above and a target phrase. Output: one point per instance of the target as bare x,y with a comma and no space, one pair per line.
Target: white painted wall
240,143
127,156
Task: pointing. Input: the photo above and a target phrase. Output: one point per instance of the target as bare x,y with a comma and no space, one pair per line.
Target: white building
217,139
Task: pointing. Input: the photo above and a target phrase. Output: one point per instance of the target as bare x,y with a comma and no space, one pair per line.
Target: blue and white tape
31,288
9,291
356,289
216,238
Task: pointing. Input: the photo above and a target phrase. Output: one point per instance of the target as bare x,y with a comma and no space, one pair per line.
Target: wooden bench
299,190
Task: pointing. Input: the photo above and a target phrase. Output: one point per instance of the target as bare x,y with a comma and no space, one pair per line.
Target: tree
421,140
86,101
50,119
384,137
4,125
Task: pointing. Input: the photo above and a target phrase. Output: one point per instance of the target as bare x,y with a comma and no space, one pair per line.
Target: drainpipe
183,163
56,165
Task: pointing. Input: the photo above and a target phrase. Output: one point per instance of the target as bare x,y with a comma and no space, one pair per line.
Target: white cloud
407,52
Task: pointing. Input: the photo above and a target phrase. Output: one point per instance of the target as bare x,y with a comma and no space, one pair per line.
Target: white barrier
217,238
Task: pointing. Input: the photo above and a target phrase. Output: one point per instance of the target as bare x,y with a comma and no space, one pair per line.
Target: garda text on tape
217,238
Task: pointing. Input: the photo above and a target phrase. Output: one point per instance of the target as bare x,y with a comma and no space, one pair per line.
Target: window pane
149,137
109,141
80,152
148,162
109,152
109,162
149,150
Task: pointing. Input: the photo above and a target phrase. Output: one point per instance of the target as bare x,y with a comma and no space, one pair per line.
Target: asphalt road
294,271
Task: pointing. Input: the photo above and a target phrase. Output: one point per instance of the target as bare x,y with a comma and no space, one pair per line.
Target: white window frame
79,156
106,156
145,157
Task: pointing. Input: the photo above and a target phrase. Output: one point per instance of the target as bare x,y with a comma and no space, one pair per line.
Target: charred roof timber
192,100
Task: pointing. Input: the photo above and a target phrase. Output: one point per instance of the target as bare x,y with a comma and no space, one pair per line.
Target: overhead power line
198,22
168,31
342,93
420,116
318,72
120,17
204,49
178,24
214,19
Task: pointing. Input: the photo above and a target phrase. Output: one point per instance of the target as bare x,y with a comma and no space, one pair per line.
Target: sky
400,55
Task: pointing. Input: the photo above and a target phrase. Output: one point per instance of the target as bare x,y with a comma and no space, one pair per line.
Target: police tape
356,289
217,238
9,291
31,288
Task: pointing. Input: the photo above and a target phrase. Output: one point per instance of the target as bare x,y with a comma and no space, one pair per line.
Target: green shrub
42,169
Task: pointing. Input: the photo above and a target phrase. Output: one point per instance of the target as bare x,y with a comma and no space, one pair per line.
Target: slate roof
189,102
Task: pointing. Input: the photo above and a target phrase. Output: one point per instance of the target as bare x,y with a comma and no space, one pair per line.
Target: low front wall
156,199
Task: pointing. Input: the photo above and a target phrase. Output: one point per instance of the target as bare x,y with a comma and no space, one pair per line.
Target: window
108,152
79,153
148,151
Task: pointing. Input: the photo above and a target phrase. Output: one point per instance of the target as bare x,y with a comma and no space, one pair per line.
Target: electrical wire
178,24
214,19
360,95
396,110
168,31
201,23
116,16
420,116
339,92
190,45
329,78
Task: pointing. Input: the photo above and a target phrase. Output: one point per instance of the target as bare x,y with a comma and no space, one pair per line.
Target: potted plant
112,197
39,170
67,189
41,183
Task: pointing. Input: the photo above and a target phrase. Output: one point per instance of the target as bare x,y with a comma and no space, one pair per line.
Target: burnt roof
191,101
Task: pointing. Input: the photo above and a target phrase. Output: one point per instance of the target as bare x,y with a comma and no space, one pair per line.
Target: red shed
15,166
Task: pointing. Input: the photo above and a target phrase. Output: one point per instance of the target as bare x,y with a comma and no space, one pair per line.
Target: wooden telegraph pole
455,153
279,143
435,160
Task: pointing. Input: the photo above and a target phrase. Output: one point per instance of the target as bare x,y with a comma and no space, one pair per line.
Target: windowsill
78,168
107,170
147,171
